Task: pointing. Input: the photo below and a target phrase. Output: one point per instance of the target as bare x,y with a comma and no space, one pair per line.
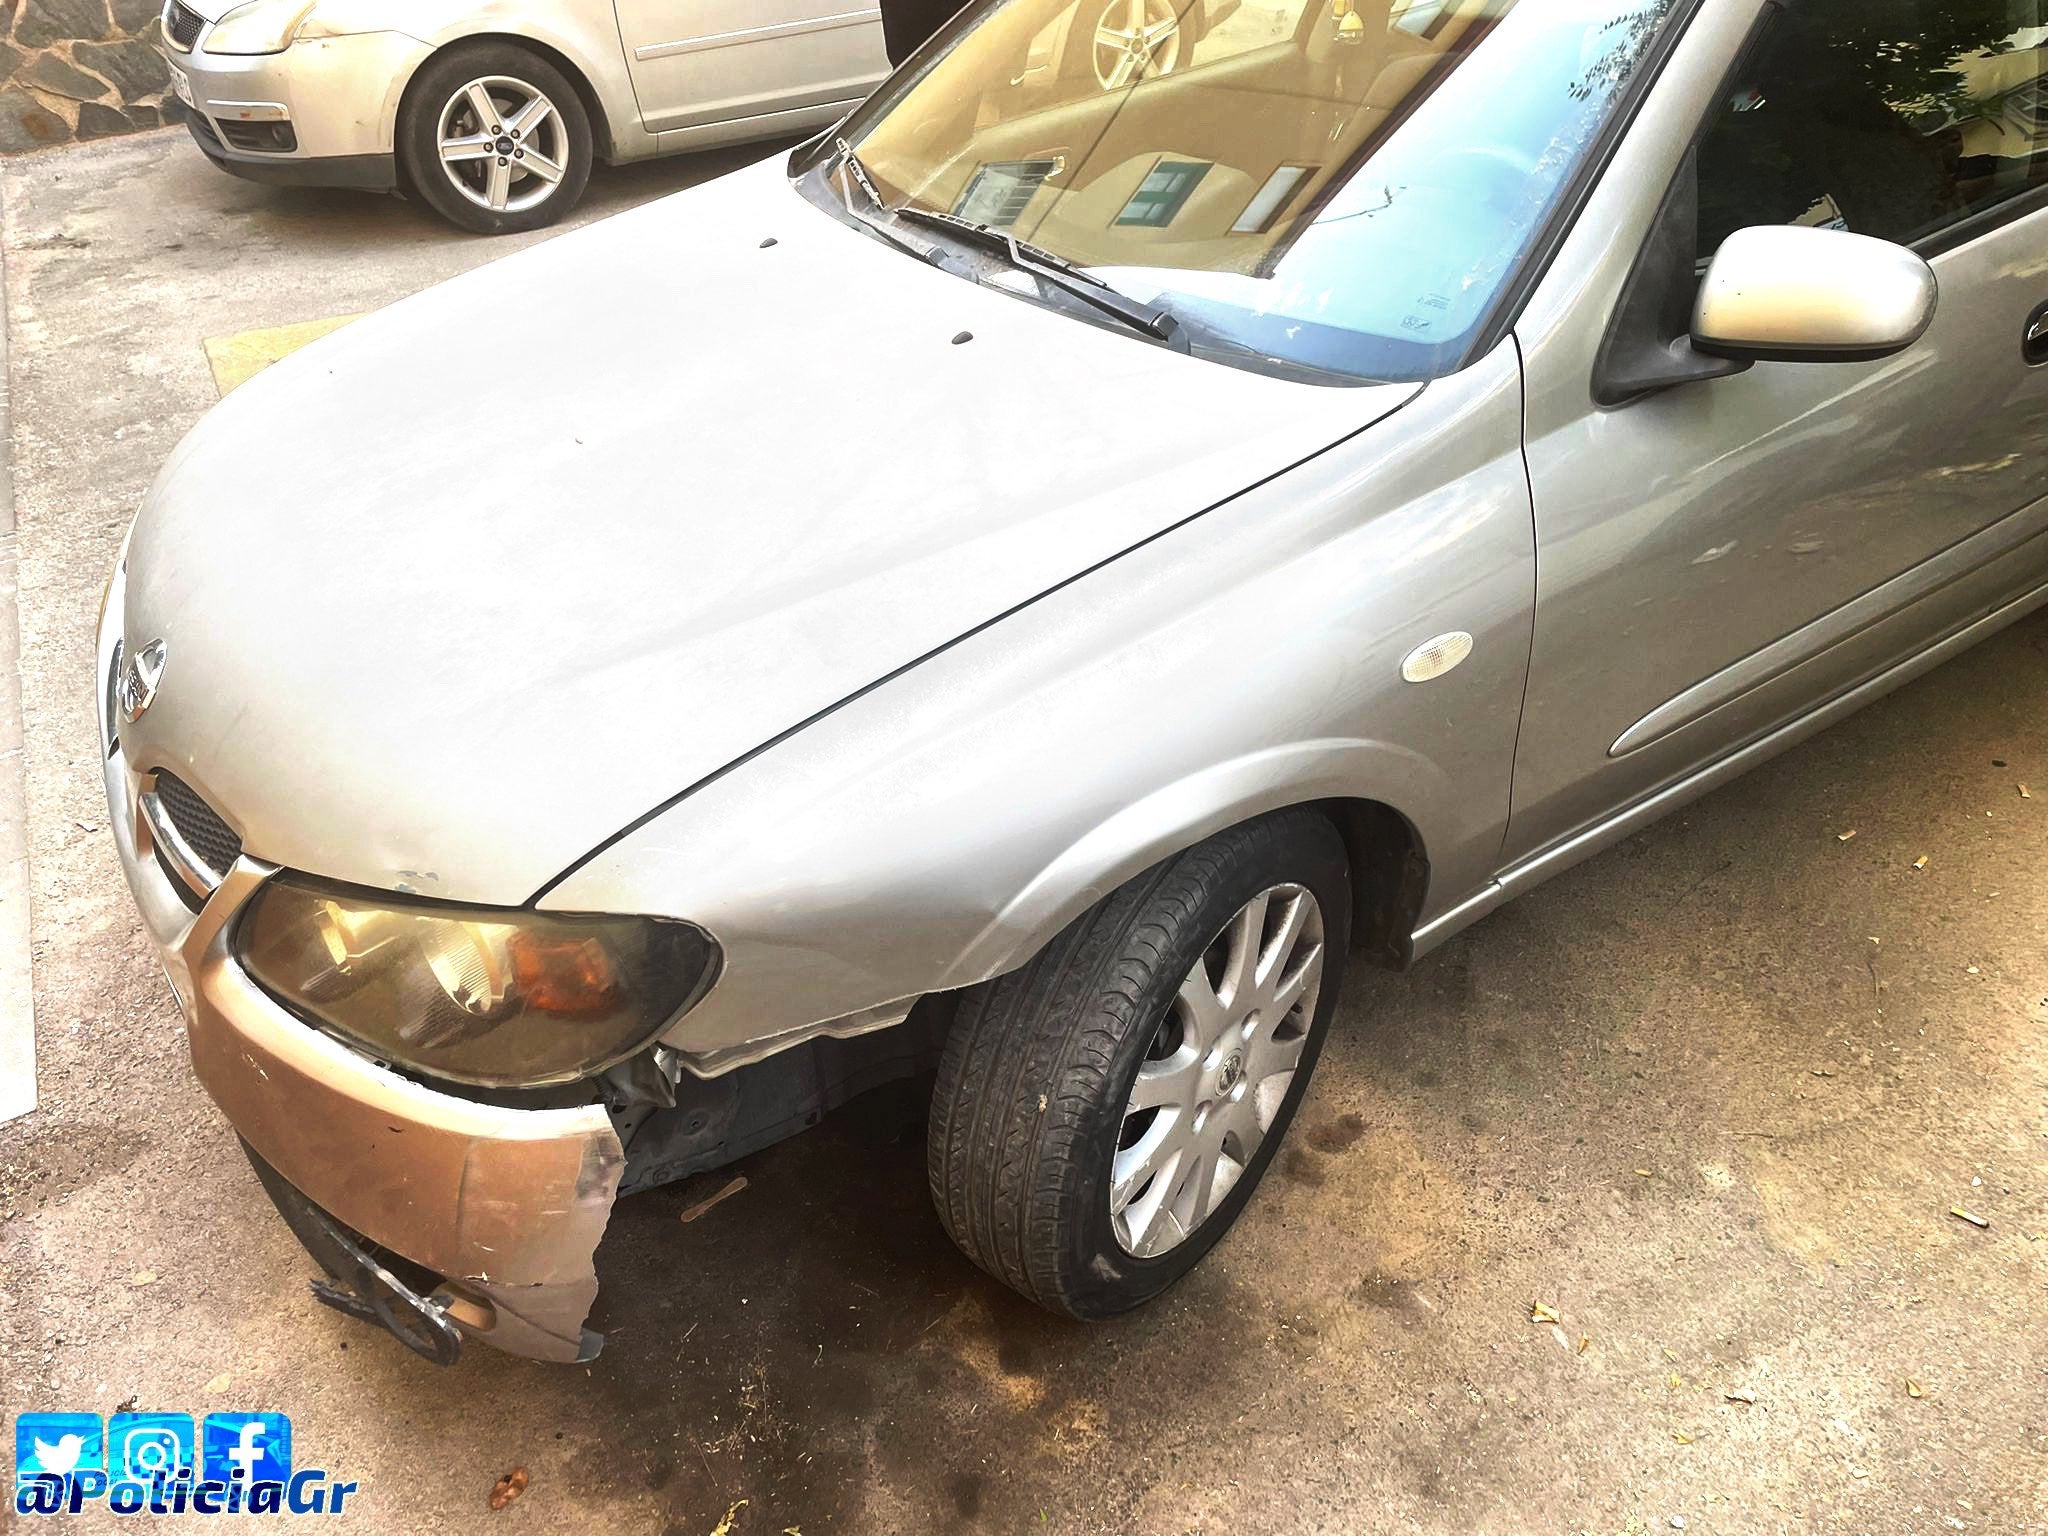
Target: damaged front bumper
493,1212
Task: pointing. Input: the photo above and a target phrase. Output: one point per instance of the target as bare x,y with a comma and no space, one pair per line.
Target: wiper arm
858,175
1057,270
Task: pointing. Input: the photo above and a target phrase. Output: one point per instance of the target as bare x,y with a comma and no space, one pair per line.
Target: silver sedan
1035,585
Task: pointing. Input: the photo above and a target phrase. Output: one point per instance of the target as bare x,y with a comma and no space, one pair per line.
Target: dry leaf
731,1189
508,1488
1741,1395
1539,1313
1921,862
2025,793
1843,837
1913,1388
1585,1343
218,1385
143,1277
1970,1216
1676,1381
724,1527
1681,1437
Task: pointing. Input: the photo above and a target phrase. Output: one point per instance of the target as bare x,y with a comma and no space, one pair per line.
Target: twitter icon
58,1442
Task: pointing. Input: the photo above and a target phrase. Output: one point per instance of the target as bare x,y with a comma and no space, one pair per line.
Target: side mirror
1789,293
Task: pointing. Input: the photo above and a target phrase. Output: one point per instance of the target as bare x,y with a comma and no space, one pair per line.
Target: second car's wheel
494,138
1104,1113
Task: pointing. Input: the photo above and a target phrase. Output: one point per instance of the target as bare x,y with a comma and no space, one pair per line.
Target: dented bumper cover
504,1206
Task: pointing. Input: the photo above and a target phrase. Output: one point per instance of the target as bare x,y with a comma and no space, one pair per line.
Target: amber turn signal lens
569,976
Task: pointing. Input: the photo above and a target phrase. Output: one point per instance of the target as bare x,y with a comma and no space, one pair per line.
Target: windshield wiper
1043,264
858,175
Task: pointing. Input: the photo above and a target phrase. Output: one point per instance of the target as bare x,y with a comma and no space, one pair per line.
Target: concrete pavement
1709,1098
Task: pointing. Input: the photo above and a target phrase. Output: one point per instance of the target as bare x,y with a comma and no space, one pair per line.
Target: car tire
449,159
1038,1144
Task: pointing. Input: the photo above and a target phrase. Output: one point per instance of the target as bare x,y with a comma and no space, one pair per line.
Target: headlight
261,26
478,995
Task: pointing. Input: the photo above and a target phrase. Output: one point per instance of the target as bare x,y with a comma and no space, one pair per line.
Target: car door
697,63
1721,558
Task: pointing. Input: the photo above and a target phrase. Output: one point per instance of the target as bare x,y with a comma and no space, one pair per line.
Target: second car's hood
453,595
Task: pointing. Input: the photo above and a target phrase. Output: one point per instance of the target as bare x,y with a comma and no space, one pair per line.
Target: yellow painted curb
238,359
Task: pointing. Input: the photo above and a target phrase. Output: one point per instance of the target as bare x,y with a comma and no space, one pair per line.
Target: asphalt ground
1709,1099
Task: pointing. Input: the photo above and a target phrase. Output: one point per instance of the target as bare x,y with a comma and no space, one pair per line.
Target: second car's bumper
321,113
504,1206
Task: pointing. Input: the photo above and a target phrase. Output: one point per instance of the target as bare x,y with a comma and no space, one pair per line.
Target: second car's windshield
1343,184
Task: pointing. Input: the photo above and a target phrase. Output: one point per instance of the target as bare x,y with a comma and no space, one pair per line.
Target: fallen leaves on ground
724,1527
508,1487
218,1385
1539,1312
1681,1437
1913,1388
732,1188
143,1277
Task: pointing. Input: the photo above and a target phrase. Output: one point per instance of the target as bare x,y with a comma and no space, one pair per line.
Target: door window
1893,118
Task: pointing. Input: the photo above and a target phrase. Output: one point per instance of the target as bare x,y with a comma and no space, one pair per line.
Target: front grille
198,824
182,25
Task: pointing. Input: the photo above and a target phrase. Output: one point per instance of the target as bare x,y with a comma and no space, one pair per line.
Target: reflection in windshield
1346,184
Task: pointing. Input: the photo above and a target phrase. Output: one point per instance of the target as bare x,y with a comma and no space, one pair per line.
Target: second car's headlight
261,26
479,995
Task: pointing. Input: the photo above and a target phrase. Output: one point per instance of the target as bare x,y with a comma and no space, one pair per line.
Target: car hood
453,595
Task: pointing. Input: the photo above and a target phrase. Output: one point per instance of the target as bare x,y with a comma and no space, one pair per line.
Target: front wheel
1103,1114
494,138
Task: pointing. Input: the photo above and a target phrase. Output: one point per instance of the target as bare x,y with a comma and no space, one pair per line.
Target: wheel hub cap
1217,1072
502,144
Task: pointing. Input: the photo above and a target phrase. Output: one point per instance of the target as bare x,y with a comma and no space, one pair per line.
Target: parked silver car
492,112
1034,585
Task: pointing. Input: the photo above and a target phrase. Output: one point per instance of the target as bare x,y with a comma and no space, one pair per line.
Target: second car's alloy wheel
494,137
501,144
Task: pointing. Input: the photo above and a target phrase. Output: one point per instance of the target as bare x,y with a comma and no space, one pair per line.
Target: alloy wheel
1217,1071
1134,40
502,144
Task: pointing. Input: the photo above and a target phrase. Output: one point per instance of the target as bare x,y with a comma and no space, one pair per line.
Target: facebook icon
246,1448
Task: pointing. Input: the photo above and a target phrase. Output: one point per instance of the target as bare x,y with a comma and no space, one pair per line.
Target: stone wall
79,69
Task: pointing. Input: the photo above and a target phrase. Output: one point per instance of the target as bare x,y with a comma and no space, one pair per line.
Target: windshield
1346,185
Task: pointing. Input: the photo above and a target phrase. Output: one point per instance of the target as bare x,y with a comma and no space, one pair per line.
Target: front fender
1183,813
938,828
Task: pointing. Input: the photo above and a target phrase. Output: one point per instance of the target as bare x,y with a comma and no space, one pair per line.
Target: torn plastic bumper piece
488,1215
436,1212
364,1282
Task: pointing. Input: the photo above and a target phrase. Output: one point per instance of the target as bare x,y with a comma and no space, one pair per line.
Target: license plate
181,85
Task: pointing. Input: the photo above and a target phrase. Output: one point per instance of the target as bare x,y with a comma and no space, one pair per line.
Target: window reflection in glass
1345,184
1893,118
